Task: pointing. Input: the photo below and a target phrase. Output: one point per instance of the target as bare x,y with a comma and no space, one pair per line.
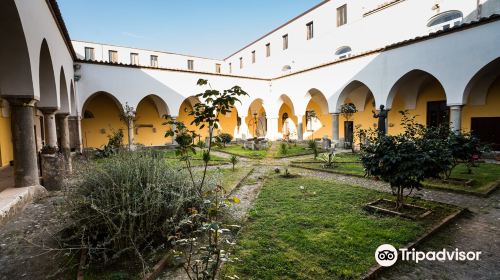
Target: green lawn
347,163
240,151
324,236
293,150
228,177
196,159
484,176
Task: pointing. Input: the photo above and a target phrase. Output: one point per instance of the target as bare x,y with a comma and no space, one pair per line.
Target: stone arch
287,119
101,117
358,92
149,128
411,83
72,102
48,90
316,117
480,83
63,96
15,69
256,118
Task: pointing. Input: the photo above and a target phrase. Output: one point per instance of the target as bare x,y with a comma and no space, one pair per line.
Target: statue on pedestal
382,117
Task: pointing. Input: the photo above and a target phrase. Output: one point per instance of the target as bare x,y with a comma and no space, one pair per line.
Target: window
253,56
342,15
310,30
113,56
217,68
89,53
343,52
134,58
154,61
268,49
445,20
230,67
285,42
190,64
241,62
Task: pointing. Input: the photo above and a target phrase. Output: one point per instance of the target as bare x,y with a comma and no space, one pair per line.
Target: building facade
438,59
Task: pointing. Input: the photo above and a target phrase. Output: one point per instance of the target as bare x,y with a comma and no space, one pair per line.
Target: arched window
445,20
343,52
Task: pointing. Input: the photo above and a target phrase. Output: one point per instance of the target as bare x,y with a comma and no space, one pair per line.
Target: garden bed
238,150
387,206
324,236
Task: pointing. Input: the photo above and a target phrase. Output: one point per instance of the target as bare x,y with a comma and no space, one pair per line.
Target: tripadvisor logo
387,255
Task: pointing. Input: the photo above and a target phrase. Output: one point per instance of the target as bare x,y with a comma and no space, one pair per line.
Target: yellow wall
185,118
364,119
6,149
106,118
251,122
490,109
286,109
147,115
325,119
431,92
228,122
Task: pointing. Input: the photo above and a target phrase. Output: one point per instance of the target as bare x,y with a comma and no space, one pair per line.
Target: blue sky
210,28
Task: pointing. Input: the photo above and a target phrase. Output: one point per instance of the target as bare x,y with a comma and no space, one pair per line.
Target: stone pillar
23,139
272,129
335,127
131,135
243,128
63,136
300,128
50,126
456,118
75,133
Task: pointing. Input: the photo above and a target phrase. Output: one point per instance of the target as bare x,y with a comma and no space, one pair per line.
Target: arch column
49,116
64,142
131,134
456,117
174,127
272,128
23,139
300,128
335,127
243,128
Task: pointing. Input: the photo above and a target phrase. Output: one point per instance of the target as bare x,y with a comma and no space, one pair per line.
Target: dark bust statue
382,116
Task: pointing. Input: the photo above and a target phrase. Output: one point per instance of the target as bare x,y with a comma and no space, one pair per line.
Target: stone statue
381,116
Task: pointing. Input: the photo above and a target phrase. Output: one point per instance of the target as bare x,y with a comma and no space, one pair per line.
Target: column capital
335,114
48,110
20,101
455,107
62,115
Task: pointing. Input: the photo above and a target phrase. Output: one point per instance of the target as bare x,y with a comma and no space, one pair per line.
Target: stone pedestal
53,171
23,139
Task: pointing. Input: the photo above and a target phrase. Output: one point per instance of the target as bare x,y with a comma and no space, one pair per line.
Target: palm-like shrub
313,145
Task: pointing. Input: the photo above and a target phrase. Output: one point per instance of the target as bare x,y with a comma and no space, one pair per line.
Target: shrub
125,204
313,145
115,143
283,149
328,160
405,160
464,147
234,160
225,138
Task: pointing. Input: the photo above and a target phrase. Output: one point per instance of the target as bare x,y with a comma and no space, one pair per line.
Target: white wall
165,59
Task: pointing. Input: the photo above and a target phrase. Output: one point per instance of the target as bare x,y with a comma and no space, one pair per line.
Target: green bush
283,149
313,145
125,204
225,138
115,143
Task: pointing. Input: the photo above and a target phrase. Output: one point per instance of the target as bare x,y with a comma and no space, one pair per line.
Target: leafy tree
234,160
405,160
464,147
225,138
347,110
313,145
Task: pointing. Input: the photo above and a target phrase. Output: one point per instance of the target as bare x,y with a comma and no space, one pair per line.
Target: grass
321,236
228,177
197,159
293,150
240,151
484,176
347,163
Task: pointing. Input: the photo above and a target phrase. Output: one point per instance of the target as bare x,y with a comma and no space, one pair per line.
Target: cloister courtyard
309,224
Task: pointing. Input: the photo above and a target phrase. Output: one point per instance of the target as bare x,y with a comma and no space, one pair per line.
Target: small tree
234,160
347,110
313,145
464,147
405,160
225,138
